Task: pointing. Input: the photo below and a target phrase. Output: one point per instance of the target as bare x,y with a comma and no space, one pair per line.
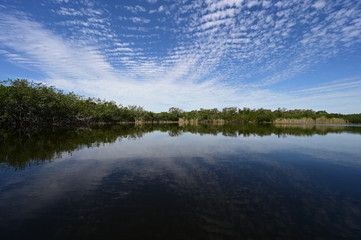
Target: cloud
216,5
252,3
228,13
135,9
68,11
152,1
49,52
188,54
71,66
135,19
61,1
319,4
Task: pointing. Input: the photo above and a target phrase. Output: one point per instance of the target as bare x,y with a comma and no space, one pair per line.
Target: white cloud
319,4
228,13
192,61
69,12
223,4
252,3
266,4
48,52
135,9
279,4
136,19
334,86
215,23
61,1
161,8
79,67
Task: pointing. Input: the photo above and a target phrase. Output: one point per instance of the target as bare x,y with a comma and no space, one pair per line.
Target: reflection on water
20,148
182,182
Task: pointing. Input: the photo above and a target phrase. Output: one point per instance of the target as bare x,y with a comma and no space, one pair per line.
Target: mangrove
24,102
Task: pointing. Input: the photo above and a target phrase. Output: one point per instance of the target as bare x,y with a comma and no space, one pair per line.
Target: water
181,182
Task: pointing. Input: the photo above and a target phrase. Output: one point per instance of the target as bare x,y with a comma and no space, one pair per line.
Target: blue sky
190,54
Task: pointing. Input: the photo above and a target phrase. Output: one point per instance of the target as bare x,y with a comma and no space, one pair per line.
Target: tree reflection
20,148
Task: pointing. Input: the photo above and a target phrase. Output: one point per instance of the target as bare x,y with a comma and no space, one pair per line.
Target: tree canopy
24,102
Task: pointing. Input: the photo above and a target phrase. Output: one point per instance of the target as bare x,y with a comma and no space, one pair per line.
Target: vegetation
24,102
29,103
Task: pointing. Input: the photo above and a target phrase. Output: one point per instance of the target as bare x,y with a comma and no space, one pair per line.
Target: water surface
181,182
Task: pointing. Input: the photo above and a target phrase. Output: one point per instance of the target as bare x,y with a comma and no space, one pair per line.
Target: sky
189,54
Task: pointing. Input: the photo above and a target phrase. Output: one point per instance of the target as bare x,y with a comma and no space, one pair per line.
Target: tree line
24,102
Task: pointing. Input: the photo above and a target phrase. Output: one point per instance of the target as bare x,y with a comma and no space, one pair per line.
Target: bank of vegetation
24,102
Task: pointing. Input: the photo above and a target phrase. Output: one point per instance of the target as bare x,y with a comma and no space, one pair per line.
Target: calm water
181,182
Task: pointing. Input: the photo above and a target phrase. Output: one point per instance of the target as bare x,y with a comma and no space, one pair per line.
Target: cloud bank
189,54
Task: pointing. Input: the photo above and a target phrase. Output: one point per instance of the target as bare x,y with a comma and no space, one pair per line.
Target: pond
181,182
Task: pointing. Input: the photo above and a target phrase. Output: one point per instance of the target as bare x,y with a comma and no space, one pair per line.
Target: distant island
24,102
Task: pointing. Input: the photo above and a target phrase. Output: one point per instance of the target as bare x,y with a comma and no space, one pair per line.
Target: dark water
181,182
